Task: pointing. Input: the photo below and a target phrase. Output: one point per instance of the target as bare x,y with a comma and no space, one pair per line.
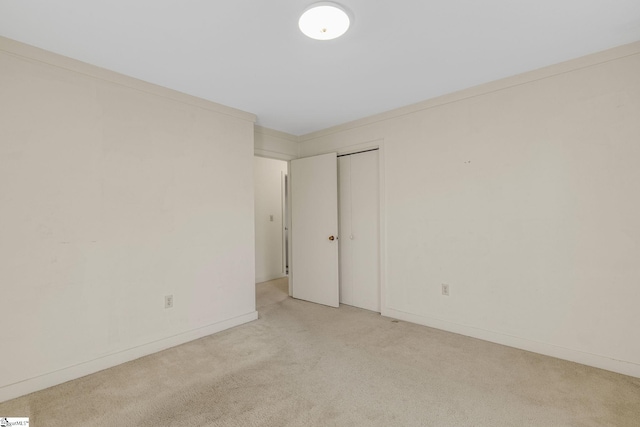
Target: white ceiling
249,54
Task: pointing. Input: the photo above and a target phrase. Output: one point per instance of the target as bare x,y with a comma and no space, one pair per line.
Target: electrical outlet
168,301
445,290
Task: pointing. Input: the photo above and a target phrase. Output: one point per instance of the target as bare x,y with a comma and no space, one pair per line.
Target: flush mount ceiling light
324,21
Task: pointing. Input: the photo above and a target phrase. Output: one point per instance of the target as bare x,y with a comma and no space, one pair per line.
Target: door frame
287,158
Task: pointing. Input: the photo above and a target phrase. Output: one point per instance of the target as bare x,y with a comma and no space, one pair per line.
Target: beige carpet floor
302,364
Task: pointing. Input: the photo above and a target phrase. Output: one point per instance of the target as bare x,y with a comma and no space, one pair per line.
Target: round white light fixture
324,21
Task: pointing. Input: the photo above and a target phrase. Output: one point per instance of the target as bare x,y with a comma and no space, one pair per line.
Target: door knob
332,238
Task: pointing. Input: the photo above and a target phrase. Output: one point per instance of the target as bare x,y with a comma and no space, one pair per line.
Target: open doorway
271,234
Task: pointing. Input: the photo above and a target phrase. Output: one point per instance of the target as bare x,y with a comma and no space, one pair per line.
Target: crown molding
34,54
276,133
583,62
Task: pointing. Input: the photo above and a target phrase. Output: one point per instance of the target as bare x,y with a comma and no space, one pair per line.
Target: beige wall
522,195
113,194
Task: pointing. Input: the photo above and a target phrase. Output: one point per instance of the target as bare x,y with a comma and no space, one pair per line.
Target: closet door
314,226
359,230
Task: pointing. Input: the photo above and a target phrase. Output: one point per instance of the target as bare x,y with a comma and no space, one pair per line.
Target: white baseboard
594,360
50,379
270,277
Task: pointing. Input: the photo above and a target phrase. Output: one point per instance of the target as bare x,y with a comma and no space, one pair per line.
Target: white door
314,229
359,230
